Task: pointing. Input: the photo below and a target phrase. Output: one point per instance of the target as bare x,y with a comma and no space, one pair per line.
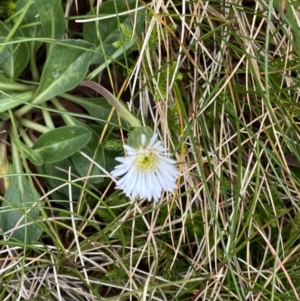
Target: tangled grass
218,80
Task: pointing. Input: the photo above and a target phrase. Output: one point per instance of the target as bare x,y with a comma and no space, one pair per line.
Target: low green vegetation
218,81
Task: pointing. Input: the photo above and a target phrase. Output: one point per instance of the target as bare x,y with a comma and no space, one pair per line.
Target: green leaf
15,57
57,171
30,26
65,68
10,102
5,81
32,155
104,33
59,144
99,108
52,18
7,50
20,209
134,138
82,164
109,161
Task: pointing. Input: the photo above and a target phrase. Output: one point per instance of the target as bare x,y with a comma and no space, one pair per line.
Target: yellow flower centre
146,161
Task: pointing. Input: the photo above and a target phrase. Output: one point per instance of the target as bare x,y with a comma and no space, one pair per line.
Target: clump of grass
219,82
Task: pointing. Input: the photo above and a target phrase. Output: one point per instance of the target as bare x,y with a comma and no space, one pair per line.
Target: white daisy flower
147,170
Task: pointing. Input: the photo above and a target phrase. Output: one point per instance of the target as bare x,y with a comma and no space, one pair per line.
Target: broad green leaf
7,103
15,57
61,143
82,164
65,68
32,155
52,18
7,50
30,26
56,171
20,209
4,116
7,84
5,81
103,33
98,107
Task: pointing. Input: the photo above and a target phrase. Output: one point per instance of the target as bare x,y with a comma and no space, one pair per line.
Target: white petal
129,182
168,183
117,173
150,187
143,139
129,148
158,147
167,160
152,140
167,170
131,153
141,185
137,185
156,187
122,168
